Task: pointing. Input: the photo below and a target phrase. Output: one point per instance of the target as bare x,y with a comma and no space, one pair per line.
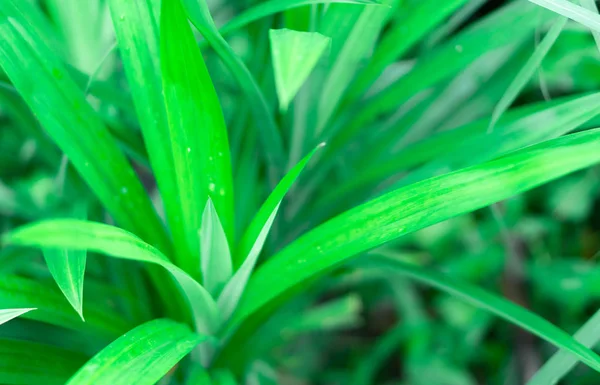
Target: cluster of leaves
186,143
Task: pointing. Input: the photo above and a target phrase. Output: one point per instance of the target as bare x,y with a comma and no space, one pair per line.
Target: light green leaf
562,362
499,306
269,206
414,207
137,32
215,255
294,54
63,111
527,71
591,6
24,362
68,270
337,314
53,308
269,133
412,21
198,135
8,314
117,243
140,357
572,11
231,294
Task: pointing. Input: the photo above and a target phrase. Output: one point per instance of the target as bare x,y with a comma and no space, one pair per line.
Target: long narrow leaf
198,135
140,357
71,122
230,297
497,305
270,136
562,361
572,11
414,207
527,71
117,243
269,206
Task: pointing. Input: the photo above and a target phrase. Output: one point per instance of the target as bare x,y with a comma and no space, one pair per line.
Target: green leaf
24,362
562,362
215,255
117,243
140,357
231,294
61,108
269,207
68,270
497,305
340,313
269,133
272,7
198,135
136,27
8,314
295,54
413,21
591,6
352,42
414,207
527,71
53,308
572,11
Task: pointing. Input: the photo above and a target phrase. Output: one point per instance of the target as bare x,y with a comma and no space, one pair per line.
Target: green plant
255,221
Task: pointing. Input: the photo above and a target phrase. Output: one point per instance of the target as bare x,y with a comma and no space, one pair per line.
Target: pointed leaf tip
295,54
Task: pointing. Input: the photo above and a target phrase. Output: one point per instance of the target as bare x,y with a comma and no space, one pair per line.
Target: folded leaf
215,255
68,269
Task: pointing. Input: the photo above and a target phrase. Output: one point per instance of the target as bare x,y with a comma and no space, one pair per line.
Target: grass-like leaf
409,27
118,243
71,122
8,314
215,255
231,294
198,135
295,54
265,212
269,134
527,71
68,269
572,11
140,357
496,305
562,361
412,208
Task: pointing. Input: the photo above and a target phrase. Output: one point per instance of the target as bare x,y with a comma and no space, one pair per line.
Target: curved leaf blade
140,357
497,305
414,207
270,206
114,242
